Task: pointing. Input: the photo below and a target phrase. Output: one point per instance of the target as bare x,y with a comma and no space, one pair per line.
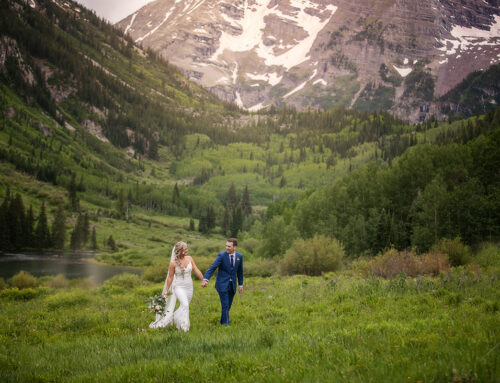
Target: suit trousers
226,300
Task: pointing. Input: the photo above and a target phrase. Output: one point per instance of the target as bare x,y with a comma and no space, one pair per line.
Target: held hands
204,283
241,289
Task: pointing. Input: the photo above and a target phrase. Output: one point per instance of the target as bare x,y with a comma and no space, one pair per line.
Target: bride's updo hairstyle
180,247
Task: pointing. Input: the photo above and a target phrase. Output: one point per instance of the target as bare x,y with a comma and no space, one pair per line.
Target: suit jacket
226,271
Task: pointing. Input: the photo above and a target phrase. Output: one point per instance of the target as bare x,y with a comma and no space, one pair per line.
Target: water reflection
68,264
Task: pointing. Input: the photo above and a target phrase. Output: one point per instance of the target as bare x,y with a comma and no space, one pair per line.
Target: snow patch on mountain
167,15
466,38
320,81
403,72
271,78
253,24
131,23
301,86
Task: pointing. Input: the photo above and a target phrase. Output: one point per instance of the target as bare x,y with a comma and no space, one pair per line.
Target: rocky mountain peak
369,54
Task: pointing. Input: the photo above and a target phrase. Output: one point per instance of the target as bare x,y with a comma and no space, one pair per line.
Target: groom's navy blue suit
225,284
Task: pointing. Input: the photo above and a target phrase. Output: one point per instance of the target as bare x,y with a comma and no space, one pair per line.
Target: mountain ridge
322,54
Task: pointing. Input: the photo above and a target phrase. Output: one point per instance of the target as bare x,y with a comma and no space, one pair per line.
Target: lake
70,265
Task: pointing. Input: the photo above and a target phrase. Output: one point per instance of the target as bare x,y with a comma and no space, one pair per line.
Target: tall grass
330,328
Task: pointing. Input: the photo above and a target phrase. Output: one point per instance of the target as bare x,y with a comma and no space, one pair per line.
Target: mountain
397,55
93,126
84,73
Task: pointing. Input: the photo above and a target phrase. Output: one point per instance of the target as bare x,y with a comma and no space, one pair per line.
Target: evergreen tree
42,233
59,229
16,220
282,182
72,193
77,234
176,195
81,185
226,222
202,224
93,239
111,243
153,149
211,218
29,228
120,204
4,223
245,202
191,225
237,221
232,198
85,228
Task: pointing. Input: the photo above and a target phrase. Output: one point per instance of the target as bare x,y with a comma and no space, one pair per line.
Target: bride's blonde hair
180,247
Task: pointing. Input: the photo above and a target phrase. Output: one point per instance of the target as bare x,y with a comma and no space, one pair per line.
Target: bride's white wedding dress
182,289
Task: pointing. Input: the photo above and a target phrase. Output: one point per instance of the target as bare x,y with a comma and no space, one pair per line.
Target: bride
180,284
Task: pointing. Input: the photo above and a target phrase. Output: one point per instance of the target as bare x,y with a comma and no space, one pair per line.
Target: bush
125,280
82,283
23,280
488,255
314,256
458,253
156,273
57,282
3,284
260,267
16,294
67,299
203,263
249,245
392,263
206,249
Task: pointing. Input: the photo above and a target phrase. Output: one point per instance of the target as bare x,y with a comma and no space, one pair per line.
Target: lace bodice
187,271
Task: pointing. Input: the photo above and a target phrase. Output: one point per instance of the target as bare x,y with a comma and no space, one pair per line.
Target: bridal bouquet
157,304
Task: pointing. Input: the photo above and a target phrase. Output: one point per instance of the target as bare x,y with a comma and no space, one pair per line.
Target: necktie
232,260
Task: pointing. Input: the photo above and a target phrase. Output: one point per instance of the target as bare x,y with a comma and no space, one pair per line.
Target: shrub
23,280
458,253
82,283
314,256
206,249
58,282
125,280
433,263
16,294
203,263
260,267
157,272
3,284
361,267
67,299
488,255
392,263
278,237
249,245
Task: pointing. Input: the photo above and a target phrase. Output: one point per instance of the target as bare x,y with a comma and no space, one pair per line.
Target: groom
230,265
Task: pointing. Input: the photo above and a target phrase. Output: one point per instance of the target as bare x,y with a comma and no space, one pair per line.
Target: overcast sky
114,10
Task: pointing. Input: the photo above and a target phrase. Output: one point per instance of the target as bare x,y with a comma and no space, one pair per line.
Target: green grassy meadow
338,327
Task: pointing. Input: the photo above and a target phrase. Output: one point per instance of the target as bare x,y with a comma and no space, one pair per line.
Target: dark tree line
19,229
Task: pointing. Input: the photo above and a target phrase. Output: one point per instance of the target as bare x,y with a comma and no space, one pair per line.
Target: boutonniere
237,259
